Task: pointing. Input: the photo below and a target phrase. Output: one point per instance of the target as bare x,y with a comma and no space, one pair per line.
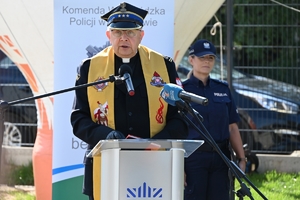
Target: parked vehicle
20,120
269,109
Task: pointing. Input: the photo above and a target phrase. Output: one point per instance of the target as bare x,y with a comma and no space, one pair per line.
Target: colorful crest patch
156,80
178,82
101,86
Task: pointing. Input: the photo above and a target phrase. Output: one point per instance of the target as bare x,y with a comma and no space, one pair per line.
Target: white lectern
143,169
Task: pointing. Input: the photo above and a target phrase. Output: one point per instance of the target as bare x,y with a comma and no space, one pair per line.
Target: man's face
125,42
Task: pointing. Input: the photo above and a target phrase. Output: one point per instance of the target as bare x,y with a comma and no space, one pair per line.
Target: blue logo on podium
144,191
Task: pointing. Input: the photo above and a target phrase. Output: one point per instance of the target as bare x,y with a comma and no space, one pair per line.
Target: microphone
182,105
125,71
172,93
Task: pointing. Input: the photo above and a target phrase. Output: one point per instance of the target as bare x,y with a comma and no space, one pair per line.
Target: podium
143,169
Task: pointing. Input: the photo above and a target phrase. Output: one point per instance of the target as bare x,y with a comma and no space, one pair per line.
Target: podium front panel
145,175
143,169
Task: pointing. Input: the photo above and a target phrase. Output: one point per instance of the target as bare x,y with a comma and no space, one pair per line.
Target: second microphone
172,93
125,71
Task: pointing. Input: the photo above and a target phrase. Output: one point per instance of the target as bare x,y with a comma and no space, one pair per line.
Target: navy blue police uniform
204,168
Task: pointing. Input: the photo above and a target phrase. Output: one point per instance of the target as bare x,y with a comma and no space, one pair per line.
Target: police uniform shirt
220,111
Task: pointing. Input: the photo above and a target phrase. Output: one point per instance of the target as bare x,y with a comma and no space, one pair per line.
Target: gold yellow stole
101,67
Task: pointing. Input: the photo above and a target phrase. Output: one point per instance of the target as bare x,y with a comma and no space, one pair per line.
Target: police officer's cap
201,48
125,16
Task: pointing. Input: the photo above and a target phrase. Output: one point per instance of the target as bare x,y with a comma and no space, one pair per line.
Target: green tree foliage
266,38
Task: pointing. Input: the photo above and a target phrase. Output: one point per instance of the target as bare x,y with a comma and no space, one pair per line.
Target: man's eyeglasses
128,33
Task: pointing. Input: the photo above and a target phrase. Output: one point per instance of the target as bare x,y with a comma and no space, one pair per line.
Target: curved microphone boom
172,93
125,71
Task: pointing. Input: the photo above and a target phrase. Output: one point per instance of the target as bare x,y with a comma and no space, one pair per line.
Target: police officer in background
109,111
206,172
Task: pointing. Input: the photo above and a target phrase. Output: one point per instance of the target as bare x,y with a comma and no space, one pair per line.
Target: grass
22,175
18,195
19,175
273,185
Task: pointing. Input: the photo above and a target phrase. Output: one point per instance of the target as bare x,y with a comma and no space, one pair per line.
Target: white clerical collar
126,60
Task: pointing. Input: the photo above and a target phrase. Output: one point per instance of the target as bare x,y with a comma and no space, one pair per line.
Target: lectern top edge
189,146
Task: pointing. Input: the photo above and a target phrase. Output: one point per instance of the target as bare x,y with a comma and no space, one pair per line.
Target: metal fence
266,37
19,120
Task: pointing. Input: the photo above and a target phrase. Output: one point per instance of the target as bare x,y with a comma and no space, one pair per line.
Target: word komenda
98,10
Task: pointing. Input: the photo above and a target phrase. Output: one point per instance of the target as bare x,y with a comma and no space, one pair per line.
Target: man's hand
115,135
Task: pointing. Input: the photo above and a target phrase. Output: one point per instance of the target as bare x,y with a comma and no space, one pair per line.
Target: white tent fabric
190,18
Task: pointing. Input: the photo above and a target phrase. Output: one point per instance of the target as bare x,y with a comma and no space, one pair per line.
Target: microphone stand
183,107
4,105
